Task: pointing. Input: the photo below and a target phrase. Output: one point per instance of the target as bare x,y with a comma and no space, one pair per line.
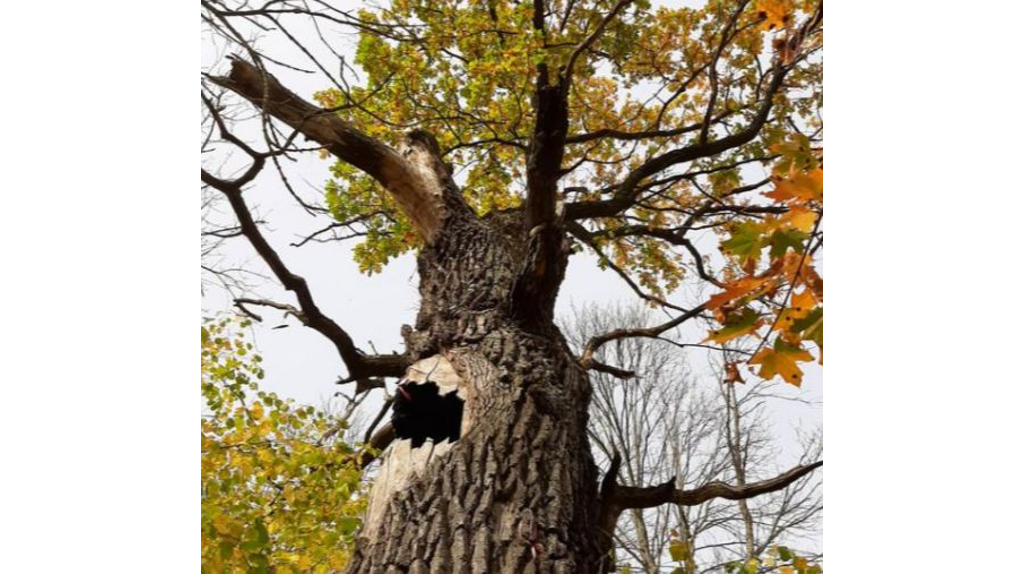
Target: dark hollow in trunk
421,412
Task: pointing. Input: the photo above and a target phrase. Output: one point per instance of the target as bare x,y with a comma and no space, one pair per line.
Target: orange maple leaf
775,13
799,269
739,288
732,373
801,186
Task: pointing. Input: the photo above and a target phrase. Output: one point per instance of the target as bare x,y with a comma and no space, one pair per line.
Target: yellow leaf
800,218
782,361
799,306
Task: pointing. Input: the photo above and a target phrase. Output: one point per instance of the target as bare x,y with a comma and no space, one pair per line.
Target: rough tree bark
519,490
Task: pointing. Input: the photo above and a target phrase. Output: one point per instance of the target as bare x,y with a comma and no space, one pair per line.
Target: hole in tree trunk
421,413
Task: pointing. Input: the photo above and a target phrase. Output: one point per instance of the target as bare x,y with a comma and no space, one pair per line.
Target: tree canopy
683,124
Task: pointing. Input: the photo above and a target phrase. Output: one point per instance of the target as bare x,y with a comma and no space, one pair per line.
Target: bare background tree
674,422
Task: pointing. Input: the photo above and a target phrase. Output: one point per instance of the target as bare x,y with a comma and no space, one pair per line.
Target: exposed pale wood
411,174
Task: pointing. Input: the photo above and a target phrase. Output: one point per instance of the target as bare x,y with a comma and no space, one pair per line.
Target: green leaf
811,327
782,239
745,242
737,324
259,564
348,524
679,550
262,536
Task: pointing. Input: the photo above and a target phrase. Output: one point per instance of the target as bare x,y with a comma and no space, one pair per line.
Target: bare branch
648,497
359,365
610,370
587,357
241,303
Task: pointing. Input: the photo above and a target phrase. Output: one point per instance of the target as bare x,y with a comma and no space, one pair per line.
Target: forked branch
358,364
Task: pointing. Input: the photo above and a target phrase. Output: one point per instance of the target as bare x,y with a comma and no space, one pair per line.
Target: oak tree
682,146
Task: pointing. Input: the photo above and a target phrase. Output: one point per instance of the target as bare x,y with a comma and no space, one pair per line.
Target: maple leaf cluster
779,298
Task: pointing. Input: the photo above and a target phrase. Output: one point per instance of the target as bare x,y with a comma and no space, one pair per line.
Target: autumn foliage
280,491
656,78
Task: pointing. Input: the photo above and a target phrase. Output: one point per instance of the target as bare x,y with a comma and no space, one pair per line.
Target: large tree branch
535,287
626,192
533,292
595,342
415,178
648,497
359,365
616,498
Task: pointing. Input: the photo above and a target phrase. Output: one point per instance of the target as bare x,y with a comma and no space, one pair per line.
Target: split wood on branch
406,176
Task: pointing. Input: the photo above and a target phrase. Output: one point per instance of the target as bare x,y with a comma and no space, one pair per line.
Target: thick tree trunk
517,492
